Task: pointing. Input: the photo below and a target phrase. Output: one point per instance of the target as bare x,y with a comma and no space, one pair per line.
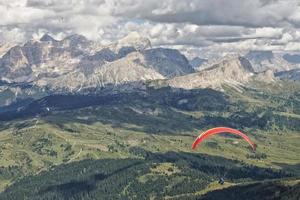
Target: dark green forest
134,179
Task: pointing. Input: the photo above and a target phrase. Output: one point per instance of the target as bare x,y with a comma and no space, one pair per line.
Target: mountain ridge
46,61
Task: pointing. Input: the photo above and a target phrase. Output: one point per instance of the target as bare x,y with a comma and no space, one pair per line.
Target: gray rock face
275,61
47,38
121,71
197,62
293,75
14,64
35,59
168,62
75,63
76,42
232,71
4,47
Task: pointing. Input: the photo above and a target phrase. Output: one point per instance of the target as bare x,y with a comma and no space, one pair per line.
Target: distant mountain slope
293,75
43,58
17,94
75,63
231,71
4,47
197,62
292,58
169,62
124,70
275,61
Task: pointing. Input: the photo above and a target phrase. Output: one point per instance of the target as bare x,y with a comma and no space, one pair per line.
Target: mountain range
77,65
117,122
261,60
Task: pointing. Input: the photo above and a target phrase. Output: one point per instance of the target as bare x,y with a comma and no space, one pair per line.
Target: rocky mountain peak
135,40
234,71
76,38
72,65
245,64
169,62
233,65
276,61
47,38
76,41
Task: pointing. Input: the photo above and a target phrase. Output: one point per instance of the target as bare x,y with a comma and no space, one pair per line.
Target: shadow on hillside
190,165
261,190
120,110
108,178
168,121
89,184
295,169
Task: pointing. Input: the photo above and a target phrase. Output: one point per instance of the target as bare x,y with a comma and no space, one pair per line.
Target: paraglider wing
218,130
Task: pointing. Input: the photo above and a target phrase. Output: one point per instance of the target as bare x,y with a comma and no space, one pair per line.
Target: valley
154,129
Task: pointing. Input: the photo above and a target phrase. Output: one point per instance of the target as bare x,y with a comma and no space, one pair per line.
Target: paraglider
219,130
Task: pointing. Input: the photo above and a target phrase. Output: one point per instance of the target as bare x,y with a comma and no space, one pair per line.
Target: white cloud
223,25
292,46
14,15
268,32
14,35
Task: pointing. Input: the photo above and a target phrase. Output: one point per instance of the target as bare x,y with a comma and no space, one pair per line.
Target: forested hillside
139,146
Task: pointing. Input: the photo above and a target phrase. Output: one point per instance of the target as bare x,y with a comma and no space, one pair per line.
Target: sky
194,26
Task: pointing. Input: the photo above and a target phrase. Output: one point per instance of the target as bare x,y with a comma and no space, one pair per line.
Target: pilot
221,181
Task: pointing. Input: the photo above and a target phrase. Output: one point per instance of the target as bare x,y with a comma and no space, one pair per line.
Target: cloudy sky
190,25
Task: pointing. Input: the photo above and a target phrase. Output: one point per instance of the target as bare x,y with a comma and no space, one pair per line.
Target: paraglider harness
221,181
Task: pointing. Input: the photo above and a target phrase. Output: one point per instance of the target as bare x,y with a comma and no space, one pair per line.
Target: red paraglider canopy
218,130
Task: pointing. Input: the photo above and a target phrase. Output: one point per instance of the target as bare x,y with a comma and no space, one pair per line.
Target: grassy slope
31,146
